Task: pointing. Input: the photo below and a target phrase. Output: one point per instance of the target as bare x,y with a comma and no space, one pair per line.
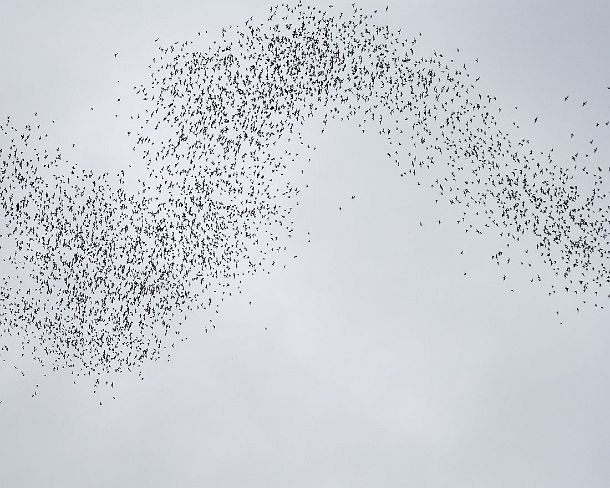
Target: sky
382,355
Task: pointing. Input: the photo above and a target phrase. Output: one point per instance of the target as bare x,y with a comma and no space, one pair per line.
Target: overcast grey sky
381,363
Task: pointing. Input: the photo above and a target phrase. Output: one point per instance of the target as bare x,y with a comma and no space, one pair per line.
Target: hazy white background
383,365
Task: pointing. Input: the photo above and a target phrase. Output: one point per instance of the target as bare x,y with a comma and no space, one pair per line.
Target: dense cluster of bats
98,273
